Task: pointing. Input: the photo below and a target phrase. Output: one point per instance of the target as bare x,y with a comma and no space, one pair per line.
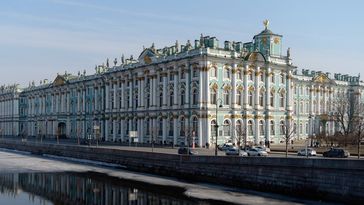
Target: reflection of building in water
9,184
77,189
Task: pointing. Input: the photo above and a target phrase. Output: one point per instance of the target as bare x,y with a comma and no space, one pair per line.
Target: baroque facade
181,93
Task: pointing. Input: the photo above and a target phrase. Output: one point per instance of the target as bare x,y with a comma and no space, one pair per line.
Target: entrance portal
62,130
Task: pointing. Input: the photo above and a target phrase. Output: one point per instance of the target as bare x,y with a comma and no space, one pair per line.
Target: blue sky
40,38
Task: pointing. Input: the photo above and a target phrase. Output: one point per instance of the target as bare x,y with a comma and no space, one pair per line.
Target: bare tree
288,130
359,135
153,135
347,109
241,136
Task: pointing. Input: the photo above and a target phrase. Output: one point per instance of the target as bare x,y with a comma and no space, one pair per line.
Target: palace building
180,93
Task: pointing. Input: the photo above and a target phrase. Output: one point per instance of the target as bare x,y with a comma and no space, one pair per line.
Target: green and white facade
170,93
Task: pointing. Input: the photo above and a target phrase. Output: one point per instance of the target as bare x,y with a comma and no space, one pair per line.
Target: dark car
185,150
336,152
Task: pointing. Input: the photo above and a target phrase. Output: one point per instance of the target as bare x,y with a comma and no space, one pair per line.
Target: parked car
225,146
186,150
267,149
310,152
336,152
257,152
235,151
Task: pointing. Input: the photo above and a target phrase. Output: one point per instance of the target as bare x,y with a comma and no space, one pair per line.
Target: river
34,180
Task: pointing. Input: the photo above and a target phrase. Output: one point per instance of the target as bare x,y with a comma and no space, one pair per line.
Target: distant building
171,94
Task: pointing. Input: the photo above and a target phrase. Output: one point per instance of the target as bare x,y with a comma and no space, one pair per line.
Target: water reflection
85,188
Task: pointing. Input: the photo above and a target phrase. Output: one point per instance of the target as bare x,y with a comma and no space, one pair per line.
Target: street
277,150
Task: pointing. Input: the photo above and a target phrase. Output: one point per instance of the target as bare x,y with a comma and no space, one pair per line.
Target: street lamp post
217,126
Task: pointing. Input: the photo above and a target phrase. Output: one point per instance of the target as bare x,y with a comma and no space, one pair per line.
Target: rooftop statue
266,23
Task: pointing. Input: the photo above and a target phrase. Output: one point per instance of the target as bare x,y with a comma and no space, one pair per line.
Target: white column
115,85
267,85
318,104
175,131
107,98
142,131
201,127
114,130
256,132
233,82
123,95
289,92
175,90
122,129
257,89
106,130
188,86
245,102
202,82
165,90
131,94
142,93
206,87
165,131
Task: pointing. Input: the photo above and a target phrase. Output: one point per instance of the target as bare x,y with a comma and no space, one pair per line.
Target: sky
40,38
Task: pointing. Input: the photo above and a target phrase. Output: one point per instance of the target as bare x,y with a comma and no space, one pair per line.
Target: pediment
60,80
322,78
255,56
147,56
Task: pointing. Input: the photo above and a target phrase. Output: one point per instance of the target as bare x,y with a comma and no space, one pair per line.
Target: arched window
195,126
281,99
194,97
306,126
301,108
238,73
295,108
226,73
239,128
182,126
171,98
282,128
148,99
272,98
160,127
250,127
213,96
182,97
160,98
272,130
213,72
226,97
250,98
238,97
213,128
272,78
295,128
251,76
226,128
147,127
261,98
282,78
301,128
261,127
171,126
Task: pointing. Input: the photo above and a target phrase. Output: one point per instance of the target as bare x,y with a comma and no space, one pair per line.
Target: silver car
310,152
267,149
257,152
235,151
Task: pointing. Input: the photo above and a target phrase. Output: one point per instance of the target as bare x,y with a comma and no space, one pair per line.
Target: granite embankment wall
333,179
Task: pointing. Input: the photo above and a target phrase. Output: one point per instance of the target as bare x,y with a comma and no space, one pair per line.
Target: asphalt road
166,150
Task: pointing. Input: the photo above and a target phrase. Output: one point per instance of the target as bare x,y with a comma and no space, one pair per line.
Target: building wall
173,96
